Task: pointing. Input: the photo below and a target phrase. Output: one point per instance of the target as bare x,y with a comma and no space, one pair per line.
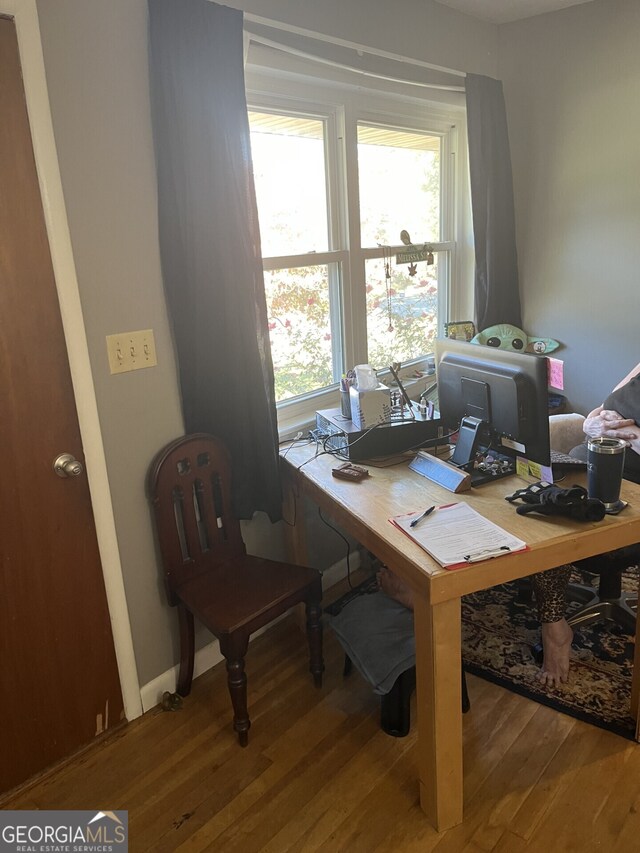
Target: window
290,173
399,185
339,176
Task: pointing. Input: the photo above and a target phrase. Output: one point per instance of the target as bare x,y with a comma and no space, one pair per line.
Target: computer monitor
498,399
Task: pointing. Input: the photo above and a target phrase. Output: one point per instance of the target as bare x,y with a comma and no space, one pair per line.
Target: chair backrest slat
190,486
200,509
177,496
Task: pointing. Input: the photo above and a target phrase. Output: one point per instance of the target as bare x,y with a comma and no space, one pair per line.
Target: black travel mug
605,461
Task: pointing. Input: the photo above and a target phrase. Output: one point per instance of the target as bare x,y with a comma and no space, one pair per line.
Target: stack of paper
456,535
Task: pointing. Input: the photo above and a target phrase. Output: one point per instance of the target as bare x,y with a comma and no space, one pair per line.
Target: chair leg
314,635
187,647
524,591
617,611
608,602
234,649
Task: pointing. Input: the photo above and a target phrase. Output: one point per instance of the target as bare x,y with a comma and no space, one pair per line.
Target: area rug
499,633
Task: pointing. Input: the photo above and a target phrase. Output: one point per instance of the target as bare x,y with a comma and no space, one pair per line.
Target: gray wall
572,81
96,64
421,29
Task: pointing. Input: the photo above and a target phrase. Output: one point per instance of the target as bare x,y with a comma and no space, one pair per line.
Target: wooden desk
363,509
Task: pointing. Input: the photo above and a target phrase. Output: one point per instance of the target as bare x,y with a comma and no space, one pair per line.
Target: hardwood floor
320,775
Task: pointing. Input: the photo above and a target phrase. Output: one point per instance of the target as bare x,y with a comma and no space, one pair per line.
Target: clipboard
456,535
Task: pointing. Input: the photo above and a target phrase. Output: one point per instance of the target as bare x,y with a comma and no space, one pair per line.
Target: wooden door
58,676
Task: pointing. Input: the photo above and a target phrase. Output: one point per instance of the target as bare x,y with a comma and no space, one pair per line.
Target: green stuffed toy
506,336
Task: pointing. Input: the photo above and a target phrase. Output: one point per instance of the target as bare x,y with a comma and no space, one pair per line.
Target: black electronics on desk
397,436
498,400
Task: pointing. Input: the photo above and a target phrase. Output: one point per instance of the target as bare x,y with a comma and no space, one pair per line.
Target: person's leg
550,590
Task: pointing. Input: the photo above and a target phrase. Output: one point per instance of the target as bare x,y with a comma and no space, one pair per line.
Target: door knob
67,465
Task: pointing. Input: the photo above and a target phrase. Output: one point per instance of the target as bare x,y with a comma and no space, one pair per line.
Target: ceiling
504,11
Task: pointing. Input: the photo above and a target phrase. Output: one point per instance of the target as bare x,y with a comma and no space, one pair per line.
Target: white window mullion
311,259
335,305
354,296
446,274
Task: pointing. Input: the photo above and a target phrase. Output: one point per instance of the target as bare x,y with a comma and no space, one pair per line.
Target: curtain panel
497,293
210,240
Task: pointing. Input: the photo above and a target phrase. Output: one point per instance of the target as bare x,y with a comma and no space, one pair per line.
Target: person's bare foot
392,586
556,644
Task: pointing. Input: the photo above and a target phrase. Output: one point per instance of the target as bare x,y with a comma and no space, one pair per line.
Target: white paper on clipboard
456,534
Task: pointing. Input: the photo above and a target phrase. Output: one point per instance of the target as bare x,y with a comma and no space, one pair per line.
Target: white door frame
25,15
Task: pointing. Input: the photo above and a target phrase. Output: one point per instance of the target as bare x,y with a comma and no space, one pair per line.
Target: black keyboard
562,461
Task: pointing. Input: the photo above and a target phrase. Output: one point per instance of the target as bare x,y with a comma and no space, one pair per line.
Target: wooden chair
208,573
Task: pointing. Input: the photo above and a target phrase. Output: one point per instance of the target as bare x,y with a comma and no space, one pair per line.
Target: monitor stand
483,463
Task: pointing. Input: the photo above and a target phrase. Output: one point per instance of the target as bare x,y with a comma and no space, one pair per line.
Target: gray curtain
210,240
497,294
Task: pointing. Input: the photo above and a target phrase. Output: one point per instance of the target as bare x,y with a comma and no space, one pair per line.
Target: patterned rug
498,633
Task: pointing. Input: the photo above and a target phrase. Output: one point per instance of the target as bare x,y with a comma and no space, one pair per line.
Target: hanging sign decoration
413,254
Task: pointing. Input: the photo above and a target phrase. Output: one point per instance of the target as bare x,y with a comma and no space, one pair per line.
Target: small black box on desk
381,440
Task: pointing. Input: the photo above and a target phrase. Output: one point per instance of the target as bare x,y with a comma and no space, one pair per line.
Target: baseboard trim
209,656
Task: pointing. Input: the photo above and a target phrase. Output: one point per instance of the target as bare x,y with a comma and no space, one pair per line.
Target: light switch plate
131,351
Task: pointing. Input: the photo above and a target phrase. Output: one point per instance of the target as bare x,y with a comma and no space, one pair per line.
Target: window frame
342,106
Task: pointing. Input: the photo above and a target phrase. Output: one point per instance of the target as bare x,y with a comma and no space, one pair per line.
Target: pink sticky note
556,373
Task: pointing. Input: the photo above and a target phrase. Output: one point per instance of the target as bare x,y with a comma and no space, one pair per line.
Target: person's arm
629,376
634,443
609,423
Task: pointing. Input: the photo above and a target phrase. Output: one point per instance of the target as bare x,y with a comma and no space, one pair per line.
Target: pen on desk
420,517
